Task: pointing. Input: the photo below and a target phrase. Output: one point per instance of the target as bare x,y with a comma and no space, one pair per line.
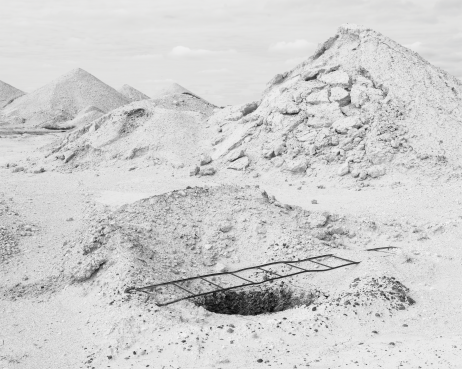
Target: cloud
183,51
449,6
294,46
215,71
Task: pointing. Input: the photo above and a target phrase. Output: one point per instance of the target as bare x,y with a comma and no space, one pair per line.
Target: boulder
319,97
344,124
376,171
240,164
317,220
298,165
337,78
205,159
361,94
278,161
339,95
235,154
194,171
210,171
344,169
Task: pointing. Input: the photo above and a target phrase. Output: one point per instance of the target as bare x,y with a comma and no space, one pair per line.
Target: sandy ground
69,328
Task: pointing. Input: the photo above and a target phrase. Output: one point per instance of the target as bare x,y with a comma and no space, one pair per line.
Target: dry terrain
50,320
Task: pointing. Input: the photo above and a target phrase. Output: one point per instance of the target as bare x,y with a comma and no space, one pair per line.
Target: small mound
169,131
132,93
362,105
62,99
8,94
191,232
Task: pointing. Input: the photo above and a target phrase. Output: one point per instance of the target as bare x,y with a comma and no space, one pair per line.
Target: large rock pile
8,94
170,130
132,93
63,99
361,105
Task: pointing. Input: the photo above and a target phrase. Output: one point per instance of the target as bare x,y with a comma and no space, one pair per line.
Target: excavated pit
254,301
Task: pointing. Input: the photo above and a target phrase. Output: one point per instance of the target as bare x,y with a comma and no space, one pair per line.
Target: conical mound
8,94
132,93
63,98
362,105
167,131
172,89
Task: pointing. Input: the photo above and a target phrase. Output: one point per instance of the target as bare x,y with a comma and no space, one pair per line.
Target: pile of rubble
361,105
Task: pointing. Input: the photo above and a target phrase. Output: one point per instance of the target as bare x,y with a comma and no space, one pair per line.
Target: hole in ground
254,301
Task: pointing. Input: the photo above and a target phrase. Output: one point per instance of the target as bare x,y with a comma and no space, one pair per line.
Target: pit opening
254,300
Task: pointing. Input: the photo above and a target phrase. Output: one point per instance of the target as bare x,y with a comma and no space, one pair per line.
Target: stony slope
361,105
62,99
170,130
8,93
132,93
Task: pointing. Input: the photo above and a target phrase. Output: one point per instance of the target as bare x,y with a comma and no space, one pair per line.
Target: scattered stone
314,201
240,164
235,154
317,220
205,159
344,169
376,171
207,171
194,171
221,268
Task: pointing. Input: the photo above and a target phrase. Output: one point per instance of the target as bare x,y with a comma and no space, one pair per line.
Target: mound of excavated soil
170,130
362,105
62,99
8,94
132,93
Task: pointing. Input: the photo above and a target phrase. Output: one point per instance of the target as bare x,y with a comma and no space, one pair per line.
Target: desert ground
102,195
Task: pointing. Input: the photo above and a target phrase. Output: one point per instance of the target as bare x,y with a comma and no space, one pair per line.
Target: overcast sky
223,50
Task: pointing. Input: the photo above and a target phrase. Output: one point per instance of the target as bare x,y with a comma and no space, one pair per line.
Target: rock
314,202
318,97
297,166
249,108
279,148
339,95
347,123
361,95
312,73
337,78
221,268
18,169
235,154
226,228
317,220
207,171
240,164
40,170
304,136
320,234
278,161
363,174
194,171
376,171
350,110
68,156
344,169
205,159
354,172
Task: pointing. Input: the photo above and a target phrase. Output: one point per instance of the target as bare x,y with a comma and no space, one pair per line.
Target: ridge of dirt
132,93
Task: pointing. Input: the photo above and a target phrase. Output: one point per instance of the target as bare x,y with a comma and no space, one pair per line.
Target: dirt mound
195,230
132,93
8,94
62,99
85,116
362,105
169,130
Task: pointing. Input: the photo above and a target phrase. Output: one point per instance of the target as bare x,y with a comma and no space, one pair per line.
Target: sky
223,50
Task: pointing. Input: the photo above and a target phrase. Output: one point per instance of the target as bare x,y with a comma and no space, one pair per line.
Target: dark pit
254,301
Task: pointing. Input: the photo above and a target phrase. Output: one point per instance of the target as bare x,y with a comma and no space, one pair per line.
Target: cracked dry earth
398,308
